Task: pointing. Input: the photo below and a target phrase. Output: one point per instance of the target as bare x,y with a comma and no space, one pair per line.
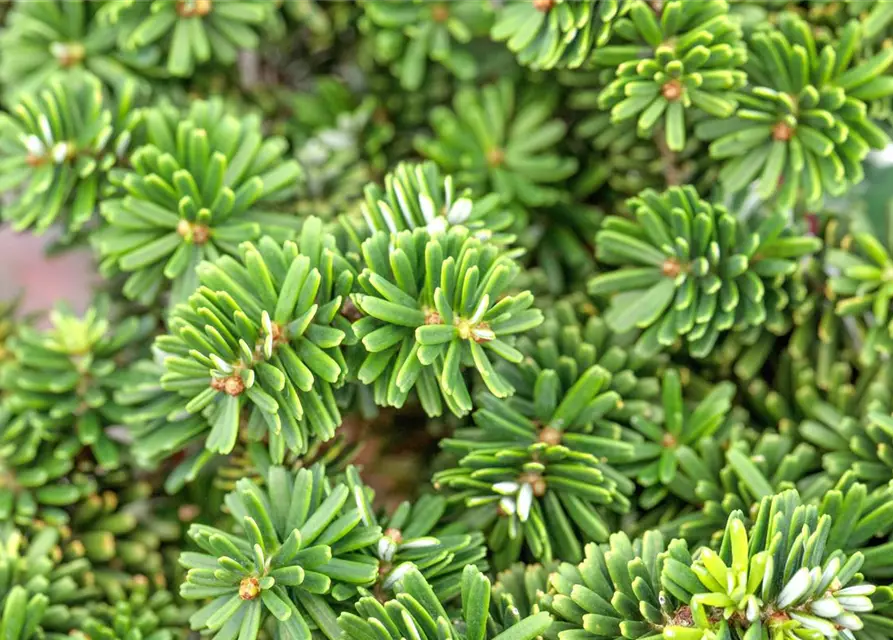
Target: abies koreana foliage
195,190
448,320
432,306
269,354
59,144
801,128
689,269
784,576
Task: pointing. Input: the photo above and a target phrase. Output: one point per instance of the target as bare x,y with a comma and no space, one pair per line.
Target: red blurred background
43,280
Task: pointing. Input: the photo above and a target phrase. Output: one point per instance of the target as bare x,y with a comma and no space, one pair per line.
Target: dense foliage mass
450,320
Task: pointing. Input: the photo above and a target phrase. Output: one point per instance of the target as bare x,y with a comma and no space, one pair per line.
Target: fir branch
58,146
655,455
673,59
417,195
542,482
47,42
690,269
59,389
417,612
270,354
501,139
197,189
616,590
801,126
416,537
192,32
298,552
132,607
792,583
552,34
433,305
40,594
410,33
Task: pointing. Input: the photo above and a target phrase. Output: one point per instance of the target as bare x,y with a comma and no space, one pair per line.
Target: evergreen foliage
58,39
112,526
525,584
861,283
58,145
543,476
192,32
496,140
432,305
784,576
417,612
418,195
133,608
616,590
572,339
272,349
669,70
415,538
692,269
555,34
657,449
41,594
448,320
298,552
405,35
196,190
781,575
801,127
59,385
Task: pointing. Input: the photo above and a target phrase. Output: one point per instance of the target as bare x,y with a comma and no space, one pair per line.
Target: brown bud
200,234
349,310
782,132
440,13
232,385
188,512
537,482
495,157
249,588
671,268
672,90
551,436
394,534
195,233
194,8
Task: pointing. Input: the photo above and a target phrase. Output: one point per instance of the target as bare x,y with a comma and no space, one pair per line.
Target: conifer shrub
448,320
